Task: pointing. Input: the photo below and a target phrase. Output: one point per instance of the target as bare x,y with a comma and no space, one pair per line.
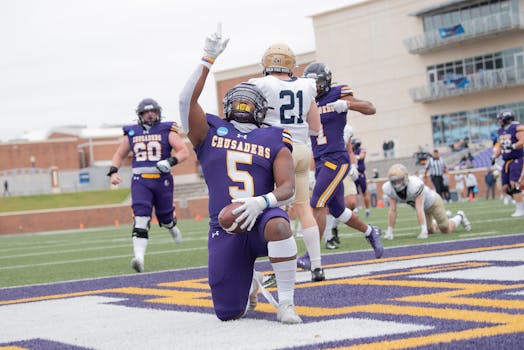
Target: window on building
471,65
467,11
473,125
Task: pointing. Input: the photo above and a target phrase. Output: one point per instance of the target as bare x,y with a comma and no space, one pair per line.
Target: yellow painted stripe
427,255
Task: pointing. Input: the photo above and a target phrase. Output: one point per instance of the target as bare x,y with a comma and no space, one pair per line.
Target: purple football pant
147,193
329,189
361,184
511,171
231,262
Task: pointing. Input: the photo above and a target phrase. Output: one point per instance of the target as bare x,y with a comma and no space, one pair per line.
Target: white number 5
242,176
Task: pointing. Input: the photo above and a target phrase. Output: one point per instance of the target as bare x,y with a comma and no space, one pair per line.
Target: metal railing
480,81
473,29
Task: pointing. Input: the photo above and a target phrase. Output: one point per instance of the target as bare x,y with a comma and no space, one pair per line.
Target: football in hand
226,219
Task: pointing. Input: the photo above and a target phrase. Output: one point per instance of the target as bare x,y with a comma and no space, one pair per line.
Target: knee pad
141,226
512,190
169,225
345,216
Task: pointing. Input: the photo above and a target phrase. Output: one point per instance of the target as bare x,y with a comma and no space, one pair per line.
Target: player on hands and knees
403,188
151,142
246,162
509,144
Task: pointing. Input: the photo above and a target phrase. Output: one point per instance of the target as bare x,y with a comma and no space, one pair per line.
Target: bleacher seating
483,159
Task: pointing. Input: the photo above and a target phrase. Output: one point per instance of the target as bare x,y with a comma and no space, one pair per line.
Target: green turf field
41,258
62,200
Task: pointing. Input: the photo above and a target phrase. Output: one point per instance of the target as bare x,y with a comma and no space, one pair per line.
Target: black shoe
335,238
317,275
330,244
270,281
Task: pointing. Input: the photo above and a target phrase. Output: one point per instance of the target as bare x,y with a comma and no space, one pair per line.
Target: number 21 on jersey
291,101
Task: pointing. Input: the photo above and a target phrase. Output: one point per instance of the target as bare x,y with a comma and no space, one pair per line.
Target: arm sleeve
184,100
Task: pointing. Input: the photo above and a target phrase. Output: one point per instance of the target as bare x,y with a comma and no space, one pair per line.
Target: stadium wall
89,217
121,214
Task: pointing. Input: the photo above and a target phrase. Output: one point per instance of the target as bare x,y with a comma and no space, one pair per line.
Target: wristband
271,200
208,61
172,161
267,201
112,170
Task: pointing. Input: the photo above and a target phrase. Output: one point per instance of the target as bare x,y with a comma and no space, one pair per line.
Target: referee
436,168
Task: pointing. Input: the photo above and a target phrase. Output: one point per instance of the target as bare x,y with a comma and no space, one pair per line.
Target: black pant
490,189
438,183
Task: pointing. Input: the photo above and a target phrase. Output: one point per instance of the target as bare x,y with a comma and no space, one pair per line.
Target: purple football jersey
149,188
149,146
361,163
238,165
331,137
508,137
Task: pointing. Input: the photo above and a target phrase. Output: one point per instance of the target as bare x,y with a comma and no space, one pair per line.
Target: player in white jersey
402,188
293,104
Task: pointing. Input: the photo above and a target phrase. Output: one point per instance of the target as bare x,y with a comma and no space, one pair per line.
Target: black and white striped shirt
436,166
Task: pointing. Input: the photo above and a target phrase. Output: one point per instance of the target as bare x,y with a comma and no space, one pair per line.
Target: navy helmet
322,75
235,109
505,117
148,104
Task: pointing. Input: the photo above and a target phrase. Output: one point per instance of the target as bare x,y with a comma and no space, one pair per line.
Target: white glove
340,106
214,45
353,172
163,166
423,231
250,210
508,146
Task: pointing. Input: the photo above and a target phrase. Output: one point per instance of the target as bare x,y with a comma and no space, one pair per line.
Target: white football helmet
398,176
279,58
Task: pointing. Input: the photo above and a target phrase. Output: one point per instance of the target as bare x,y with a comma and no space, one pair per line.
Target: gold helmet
398,176
279,58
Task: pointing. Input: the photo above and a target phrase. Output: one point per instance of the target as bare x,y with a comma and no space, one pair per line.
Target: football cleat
270,281
368,213
330,244
287,314
318,275
303,262
137,265
334,231
465,222
374,239
518,212
388,236
176,234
